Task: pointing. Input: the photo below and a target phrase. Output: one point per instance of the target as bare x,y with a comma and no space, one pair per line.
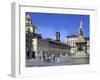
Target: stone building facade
71,40
30,32
40,48
47,48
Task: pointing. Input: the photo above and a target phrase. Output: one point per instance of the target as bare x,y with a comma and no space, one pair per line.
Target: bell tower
30,34
57,36
29,26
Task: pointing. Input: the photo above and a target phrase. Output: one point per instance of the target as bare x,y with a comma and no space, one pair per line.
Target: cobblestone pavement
61,61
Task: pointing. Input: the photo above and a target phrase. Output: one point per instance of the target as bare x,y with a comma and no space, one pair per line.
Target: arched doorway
27,54
33,54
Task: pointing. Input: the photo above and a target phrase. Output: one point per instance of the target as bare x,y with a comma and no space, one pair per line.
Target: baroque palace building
39,48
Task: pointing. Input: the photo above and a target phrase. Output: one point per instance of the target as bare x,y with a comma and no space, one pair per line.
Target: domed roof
28,17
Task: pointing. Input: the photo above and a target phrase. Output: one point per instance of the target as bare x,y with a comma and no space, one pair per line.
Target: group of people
49,58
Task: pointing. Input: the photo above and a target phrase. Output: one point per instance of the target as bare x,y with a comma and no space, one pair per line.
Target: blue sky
47,24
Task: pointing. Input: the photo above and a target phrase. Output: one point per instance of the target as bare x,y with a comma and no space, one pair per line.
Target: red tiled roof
55,42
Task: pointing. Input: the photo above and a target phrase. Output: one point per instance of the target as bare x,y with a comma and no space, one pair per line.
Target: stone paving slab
69,61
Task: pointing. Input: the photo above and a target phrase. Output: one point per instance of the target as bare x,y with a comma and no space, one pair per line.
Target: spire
81,28
81,23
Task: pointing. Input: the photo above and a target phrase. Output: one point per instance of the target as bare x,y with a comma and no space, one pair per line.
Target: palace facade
39,48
